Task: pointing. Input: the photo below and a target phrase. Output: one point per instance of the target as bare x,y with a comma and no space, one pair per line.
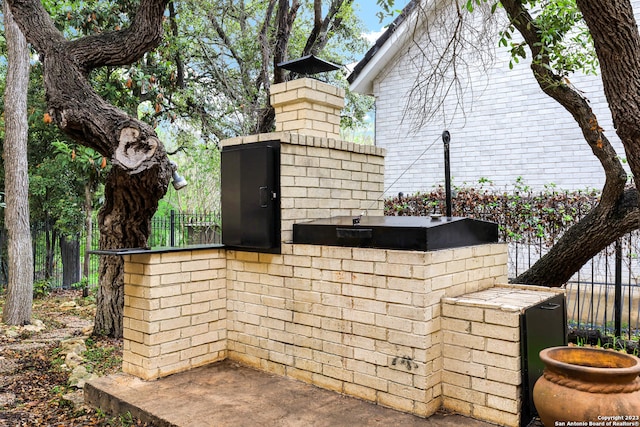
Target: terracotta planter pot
582,385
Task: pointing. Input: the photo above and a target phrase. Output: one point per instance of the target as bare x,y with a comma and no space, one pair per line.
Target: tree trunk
178,58
141,171
17,309
4,258
317,40
617,42
617,212
285,16
125,222
616,39
70,256
319,36
50,236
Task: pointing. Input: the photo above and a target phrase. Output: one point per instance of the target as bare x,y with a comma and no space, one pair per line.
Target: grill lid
396,232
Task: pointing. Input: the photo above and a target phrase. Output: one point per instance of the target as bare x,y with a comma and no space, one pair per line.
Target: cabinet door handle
265,196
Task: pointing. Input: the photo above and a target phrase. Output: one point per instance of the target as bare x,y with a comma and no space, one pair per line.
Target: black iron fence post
172,232
617,310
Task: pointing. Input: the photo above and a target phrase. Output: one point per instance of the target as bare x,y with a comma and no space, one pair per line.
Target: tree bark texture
50,237
17,309
88,228
617,212
70,256
617,42
141,171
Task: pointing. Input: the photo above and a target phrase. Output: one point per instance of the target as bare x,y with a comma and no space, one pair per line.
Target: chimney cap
308,65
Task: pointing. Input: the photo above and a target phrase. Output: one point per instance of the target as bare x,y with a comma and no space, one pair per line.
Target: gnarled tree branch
617,212
141,172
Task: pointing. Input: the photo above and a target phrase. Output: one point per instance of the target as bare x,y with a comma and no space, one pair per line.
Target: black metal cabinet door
542,326
250,202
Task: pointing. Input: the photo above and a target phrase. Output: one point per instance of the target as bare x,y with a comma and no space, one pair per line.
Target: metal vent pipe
446,138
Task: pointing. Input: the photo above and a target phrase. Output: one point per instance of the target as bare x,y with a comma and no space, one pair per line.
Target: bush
41,288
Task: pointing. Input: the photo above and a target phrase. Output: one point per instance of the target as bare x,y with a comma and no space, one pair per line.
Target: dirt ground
36,366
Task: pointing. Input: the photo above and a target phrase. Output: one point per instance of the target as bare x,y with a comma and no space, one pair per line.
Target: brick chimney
308,107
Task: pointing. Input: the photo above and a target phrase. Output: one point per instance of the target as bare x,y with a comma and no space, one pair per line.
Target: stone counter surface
510,298
482,361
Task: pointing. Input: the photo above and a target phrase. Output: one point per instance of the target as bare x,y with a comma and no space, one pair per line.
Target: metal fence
183,229
603,297
174,230
604,294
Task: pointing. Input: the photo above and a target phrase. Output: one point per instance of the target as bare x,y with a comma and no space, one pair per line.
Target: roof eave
374,61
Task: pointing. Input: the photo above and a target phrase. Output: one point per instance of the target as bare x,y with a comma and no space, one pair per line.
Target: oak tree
617,212
140,170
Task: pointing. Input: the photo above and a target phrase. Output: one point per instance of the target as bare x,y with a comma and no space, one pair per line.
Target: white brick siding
507,128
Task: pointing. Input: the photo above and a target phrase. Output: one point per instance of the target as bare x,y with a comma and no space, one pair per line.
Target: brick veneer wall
324,177
175,308
364,322
309,106
482,373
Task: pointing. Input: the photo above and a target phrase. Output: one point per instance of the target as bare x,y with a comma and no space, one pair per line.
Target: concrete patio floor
229,394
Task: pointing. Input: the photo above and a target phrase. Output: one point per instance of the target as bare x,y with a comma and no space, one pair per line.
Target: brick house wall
502,127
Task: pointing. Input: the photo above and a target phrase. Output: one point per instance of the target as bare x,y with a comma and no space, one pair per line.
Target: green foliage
146,82
565,45
470,5
57,184
230,61
200,165
565,38
356,109
122,420
202,84
603,338
126,419
83,283
79,18
56,188
388,9
101,357
41,288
